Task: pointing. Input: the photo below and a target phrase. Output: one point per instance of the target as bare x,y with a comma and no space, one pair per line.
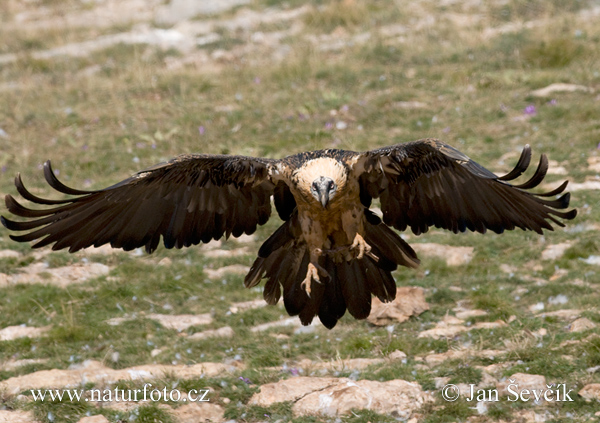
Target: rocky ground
143,79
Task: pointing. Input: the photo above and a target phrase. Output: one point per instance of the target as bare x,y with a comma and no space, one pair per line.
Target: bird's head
322,179
323,189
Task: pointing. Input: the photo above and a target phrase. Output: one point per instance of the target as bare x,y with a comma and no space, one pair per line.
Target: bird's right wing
187,200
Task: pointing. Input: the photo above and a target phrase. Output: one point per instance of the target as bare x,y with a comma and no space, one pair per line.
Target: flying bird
332,253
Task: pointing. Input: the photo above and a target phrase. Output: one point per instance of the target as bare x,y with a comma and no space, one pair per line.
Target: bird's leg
313,270
363,248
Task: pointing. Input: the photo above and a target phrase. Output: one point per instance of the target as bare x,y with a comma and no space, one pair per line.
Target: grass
106,115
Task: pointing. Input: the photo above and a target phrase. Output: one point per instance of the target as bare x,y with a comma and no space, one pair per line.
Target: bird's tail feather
283,260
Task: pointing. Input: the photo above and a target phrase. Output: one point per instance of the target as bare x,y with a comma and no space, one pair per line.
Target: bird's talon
362,246
311,274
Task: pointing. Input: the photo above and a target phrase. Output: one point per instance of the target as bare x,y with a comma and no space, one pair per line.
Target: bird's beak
324,198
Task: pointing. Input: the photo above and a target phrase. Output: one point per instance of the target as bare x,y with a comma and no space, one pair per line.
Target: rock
59,276
195,412
594,164
589,392
558,300
436,359
397,355
224,332
13,332
569,314
179,10
451,326
292,389
397,397
454,256
333,396
409,301
522,381
467,314
165,262
92,371
236,269
488,325
247,305
94,419
15,364
17,416
104,250
595,260
338,365
244,239
581,324
290,321
9,254
442,331
181,322
591,185
558,273
236,252
553,252
559,87
409,105
534,308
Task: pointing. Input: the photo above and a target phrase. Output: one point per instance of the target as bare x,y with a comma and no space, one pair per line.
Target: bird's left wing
187,200
428,183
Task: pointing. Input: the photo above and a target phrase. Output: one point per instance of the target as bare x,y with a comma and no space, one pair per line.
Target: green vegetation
356,75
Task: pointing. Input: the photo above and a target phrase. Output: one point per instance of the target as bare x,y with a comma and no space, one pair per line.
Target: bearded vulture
332,252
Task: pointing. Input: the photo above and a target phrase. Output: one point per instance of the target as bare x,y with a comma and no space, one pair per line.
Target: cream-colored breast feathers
323,166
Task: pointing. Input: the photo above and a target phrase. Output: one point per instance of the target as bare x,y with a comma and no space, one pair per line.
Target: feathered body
332,253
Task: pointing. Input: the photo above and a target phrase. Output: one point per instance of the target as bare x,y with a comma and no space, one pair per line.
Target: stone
13,332
195,412
290,321
224,332
99,418
442,331
454,256
523,381
397,355
409,301
568,314
559,87
594,163
165,262
590,392
9,254
338,365
17,416
553,252
578,186
236,252
96,372
60,276
581,324
396,397
247,305
11,365
181,322
236,269
467,314
291,389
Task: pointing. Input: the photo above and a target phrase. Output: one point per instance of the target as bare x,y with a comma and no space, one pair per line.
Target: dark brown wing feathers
428,183
188,200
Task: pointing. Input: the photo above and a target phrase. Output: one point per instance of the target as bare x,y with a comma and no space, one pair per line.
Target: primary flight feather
331,253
